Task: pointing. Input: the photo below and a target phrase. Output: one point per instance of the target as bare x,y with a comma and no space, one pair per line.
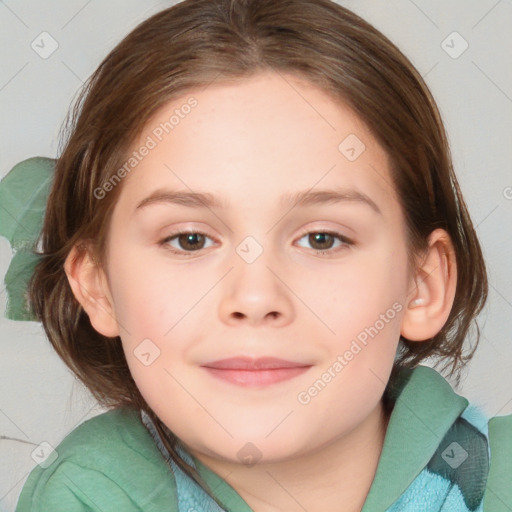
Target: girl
232,164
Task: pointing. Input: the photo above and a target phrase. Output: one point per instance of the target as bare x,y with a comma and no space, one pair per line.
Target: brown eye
321,241
324,241
191,241
185,242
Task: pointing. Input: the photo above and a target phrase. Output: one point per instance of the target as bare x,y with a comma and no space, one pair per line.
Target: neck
341,471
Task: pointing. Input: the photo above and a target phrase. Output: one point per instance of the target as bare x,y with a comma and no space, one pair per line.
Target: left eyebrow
309,198
303,199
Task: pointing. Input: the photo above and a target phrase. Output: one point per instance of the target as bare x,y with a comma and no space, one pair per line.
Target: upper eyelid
185,231
332,231
344,238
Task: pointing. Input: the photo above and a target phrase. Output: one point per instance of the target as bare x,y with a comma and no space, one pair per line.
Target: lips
251,372
248,363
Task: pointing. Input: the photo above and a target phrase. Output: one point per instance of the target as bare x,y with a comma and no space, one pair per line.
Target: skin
249,143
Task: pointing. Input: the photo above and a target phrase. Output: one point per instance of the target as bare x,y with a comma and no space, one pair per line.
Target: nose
256,293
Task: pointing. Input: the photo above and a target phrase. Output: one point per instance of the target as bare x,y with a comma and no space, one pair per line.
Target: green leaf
23,197
16,282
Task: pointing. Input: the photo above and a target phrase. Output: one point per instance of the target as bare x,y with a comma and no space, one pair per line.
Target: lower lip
257,377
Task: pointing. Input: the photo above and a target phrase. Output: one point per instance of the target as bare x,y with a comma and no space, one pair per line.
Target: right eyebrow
183,198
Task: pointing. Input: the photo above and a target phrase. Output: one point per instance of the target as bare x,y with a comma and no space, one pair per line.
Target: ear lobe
431,300
90,287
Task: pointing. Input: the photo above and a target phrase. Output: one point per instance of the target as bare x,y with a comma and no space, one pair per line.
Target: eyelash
346,242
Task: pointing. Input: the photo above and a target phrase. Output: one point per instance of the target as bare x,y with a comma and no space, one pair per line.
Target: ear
90,287
433,290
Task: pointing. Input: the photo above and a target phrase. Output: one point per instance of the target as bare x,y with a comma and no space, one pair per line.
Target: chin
250,451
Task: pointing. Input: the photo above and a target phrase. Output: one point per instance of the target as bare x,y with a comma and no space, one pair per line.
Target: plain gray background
39,399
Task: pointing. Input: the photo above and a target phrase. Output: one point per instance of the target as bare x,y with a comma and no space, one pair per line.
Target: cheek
157,307
364,314
359,292
149,298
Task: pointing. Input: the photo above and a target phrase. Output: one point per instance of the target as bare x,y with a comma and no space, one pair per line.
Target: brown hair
190,45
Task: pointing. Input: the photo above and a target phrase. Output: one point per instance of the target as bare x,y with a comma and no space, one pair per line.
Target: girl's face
321,282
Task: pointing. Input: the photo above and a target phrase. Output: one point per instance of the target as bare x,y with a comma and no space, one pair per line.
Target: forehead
247,143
